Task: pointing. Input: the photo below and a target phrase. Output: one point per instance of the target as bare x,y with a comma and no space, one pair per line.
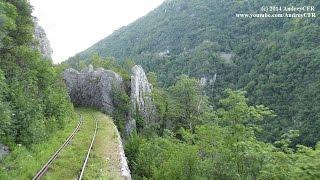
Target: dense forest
194,140
33,100
275,60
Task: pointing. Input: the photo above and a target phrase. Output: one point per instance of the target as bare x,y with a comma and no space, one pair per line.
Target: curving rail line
89,150
44,169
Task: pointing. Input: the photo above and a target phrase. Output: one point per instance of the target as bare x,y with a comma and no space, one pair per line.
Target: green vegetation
24,163
122,104
260,102
71,159
105,156
35,112
104,159
33,101
203,143
257,117
276,60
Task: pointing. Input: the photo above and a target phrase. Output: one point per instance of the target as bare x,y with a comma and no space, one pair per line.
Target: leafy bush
33,101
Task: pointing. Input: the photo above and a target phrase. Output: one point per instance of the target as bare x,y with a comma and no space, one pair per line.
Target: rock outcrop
44,44
4,150
141,95
93,87
204,81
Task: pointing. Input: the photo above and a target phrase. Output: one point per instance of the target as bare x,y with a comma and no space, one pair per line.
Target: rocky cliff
141,95
95,88
44,44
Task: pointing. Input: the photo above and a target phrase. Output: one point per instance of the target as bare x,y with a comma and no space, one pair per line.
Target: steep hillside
276,60
33,101
179,25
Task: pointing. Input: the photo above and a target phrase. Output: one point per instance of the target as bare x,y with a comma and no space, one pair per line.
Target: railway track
44,169
89,150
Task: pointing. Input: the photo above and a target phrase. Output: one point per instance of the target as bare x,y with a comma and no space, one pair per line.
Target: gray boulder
4,151
93,88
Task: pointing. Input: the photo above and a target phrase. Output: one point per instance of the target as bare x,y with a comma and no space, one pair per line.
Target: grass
23,163
69,163
104,162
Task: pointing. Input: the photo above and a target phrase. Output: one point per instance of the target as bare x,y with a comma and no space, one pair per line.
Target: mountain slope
33,102
276,60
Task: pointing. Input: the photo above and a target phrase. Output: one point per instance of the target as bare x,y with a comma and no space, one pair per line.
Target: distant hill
276,60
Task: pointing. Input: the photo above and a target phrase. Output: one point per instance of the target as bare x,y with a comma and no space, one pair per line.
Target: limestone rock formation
44,44
93,87
204,81
131,125
4,150
141,95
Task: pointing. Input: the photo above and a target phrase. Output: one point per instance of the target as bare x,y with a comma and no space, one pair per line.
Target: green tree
186,103
5,114
33,99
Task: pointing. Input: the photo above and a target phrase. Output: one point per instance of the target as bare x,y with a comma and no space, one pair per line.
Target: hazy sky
74,25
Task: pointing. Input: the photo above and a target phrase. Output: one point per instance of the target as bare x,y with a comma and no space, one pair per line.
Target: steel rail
44,169
90,147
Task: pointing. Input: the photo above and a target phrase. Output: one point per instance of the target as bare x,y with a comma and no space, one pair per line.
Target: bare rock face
44,44
141,95
93,87
204,81
131,124
4,151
